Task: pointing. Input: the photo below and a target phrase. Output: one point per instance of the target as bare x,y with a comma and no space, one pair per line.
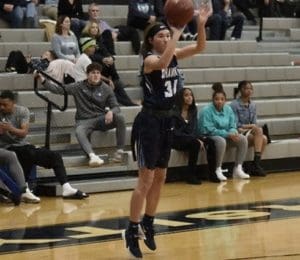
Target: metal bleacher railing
50,104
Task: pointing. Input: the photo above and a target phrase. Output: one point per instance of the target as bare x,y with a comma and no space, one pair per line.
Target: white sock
92,155
68,189
239,167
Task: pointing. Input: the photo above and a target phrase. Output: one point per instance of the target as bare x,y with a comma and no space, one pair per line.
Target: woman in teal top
217,120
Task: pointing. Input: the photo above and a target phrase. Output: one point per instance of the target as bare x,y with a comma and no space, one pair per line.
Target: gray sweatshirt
91,101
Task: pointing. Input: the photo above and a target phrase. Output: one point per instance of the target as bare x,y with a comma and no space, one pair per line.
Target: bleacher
266,64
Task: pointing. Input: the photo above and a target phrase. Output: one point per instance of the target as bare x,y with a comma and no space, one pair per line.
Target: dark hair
148,33
241,85
59,22
218,89
93,66
8,94
179,101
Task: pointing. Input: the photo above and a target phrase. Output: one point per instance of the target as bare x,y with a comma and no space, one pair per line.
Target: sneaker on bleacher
118,155
95,161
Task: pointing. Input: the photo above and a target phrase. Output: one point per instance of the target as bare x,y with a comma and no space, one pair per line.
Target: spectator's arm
70,88
232,122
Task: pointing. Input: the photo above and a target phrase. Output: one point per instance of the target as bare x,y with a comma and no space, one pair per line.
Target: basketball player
152,126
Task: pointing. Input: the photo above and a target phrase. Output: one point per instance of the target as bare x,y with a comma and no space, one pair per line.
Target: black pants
237,21
245,5
121,95
127,33
216,27
192,146
29,155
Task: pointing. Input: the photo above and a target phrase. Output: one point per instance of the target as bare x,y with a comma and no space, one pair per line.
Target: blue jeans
29,13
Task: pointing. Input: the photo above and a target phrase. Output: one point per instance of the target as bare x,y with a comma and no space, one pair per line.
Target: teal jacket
214,123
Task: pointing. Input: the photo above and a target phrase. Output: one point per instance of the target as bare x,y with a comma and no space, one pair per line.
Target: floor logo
34,238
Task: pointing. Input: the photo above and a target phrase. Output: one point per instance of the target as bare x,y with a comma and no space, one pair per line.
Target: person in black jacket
185,137
264,8
140,14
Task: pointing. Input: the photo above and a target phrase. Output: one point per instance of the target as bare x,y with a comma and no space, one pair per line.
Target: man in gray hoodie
96,109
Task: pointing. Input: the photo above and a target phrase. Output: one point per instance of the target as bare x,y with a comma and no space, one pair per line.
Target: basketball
179,12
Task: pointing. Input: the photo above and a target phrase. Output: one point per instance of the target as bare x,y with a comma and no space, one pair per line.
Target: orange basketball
179,12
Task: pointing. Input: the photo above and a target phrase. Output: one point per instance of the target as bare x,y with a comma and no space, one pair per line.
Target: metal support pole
48,126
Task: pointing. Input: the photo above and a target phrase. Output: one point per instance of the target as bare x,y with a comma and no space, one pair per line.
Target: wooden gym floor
256,219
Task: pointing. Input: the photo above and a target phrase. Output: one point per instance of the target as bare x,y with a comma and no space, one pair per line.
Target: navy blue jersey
160,86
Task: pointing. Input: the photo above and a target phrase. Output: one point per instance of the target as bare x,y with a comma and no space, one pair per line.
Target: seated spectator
9,158
159,10
231,17
14,131
60,69
140,14
264,8
19,12
64,43
185,136
109,72
217,120
73,9
110,35
215,23
50,9
92,99
245,112
88,47
224,15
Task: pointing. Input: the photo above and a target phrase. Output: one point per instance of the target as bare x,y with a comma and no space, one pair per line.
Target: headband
156,28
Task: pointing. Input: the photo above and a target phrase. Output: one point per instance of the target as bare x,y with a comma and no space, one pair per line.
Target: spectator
73,9
185,136
231,17
14,131
18,12
217,120
245,112
110,35
92,99
140,14
9,158
50,9
264,8
109,72
215,22
64,43
60,69
88,47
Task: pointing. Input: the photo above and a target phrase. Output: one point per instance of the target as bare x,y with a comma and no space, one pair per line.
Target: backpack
16,61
